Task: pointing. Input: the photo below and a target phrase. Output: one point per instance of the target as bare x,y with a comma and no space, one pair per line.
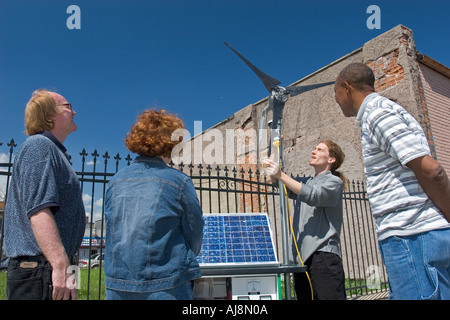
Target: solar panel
237,238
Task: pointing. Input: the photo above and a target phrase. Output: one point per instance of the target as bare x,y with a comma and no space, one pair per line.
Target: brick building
415,81
436,102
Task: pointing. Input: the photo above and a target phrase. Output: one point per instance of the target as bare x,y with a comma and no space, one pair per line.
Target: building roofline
319,71
433,64
327,66
293,84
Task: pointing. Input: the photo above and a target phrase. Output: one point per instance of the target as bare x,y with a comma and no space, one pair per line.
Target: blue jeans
182,292
418,266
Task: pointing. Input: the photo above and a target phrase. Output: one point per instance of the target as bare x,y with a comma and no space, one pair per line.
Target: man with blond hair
44,212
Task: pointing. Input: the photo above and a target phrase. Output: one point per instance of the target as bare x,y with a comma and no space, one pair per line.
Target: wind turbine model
278,95
277,99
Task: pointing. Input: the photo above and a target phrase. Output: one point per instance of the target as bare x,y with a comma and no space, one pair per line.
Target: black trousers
29,278
327,277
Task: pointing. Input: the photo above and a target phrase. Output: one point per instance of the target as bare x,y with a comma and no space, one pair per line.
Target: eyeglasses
68,105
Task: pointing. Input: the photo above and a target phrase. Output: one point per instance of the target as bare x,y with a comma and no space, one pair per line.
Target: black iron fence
239,189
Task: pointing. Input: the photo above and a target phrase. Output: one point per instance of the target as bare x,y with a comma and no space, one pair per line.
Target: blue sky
132,55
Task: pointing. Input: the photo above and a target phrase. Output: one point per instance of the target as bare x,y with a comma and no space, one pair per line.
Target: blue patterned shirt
42,178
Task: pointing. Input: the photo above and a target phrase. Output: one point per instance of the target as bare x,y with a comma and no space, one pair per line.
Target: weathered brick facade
389,72
436,103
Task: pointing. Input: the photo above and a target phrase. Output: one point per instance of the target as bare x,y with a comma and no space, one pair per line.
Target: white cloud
98,203
4,158
97,211
87,200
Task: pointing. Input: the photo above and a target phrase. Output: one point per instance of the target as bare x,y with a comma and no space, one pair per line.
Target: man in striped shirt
409,192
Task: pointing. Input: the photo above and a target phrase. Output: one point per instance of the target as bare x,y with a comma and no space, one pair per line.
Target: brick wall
436,92
388,71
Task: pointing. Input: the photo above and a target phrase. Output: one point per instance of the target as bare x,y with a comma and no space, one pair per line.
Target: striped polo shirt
391,138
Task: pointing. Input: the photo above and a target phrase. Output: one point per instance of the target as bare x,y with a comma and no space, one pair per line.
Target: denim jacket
154,228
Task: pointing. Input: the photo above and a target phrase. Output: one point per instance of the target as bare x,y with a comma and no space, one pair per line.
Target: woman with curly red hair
154,221
151,135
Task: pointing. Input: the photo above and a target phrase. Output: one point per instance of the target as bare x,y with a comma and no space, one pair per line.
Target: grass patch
96,281
358,287
2,285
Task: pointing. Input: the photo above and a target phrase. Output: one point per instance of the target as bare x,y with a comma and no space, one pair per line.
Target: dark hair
358,75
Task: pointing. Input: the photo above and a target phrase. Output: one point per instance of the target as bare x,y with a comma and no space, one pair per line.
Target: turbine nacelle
278,95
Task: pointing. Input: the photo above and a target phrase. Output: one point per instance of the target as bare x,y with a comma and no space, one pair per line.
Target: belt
28,262
31,262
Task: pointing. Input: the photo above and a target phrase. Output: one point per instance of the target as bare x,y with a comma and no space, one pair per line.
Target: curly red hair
151,135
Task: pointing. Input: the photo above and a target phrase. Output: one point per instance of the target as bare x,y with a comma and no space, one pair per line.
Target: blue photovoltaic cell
236,239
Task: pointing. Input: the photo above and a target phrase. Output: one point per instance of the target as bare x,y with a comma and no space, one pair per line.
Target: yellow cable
277,143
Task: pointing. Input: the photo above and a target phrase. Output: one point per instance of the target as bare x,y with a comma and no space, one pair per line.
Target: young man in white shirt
409,192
